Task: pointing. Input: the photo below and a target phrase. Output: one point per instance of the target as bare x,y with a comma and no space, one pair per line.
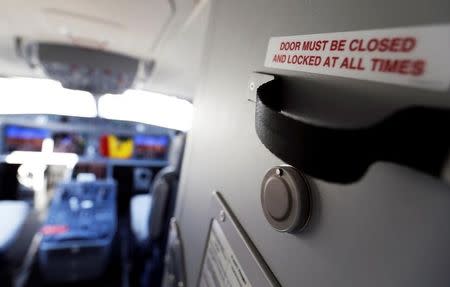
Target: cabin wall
388,229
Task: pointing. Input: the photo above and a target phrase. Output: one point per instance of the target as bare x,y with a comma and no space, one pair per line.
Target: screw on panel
252,86
222,215
279,172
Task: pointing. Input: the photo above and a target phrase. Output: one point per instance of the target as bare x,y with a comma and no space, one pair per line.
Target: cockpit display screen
69,142
19,138
151,146
117,147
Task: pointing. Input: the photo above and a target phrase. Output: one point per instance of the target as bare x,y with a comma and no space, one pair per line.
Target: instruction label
221,267
414,56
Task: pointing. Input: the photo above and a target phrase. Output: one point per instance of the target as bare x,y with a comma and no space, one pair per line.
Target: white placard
221,267
413,56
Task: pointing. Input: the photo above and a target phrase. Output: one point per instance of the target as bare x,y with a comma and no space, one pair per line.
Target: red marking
279,59
290,46
396,44
388,44
317,45
54,229
104,147
352,64
338,45
304,60
403,67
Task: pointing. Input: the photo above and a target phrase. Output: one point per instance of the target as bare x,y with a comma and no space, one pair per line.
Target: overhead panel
130,28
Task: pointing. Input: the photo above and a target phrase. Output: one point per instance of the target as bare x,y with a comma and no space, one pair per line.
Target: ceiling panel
131,27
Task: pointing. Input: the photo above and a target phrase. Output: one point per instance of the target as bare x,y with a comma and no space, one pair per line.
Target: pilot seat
150,213
18,224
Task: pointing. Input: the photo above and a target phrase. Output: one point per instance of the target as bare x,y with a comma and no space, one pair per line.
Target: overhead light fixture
44,96
147,107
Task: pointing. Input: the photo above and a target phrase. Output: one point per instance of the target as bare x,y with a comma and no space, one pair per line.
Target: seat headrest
176,151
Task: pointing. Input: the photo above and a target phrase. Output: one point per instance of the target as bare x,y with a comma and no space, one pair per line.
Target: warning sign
221,267
415,56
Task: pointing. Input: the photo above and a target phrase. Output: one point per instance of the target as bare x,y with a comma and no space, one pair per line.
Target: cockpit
90,151
212,143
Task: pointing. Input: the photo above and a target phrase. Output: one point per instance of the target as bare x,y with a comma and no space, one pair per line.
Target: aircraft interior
257,143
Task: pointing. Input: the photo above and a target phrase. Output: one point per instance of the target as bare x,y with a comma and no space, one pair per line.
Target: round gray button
277,199
285,198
